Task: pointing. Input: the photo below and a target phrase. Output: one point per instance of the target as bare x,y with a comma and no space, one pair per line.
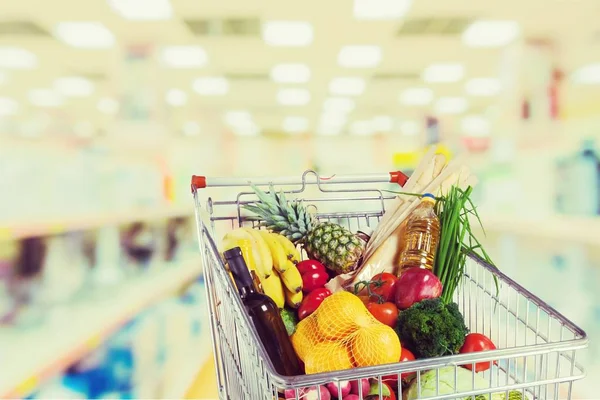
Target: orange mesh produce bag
343,334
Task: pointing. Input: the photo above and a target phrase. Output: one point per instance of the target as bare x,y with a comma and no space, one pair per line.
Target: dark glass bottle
265,316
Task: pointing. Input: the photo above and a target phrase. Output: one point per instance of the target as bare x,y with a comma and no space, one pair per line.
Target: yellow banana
293,299
278,253
272,287
266,260
247,246
291,251
292,279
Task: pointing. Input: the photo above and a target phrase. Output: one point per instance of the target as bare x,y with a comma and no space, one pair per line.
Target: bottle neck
239,270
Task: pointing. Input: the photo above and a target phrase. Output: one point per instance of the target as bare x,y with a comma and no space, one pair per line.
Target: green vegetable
289,320
456,239
464,383
432,328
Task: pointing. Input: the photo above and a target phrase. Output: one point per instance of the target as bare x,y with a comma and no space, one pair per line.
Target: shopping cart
537,346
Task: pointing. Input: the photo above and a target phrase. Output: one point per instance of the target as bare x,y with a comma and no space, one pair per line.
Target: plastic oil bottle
421,236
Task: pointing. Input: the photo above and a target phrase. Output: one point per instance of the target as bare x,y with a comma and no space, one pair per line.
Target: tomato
406,355
386,313
383,285
312,301
475,342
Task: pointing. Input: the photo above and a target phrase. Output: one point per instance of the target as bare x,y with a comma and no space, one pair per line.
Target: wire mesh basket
536,346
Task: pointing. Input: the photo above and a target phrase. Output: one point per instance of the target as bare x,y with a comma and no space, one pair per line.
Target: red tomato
383,285
475,342
386,313
406,355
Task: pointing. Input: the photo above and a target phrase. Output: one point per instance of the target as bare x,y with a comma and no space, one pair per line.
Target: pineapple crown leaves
278,214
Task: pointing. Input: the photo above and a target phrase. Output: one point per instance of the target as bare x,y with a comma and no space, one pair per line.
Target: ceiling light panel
238,118
142,10
339,104
491,33
416,96
359,56
45,98
331,118
587,75
293,97
107,105
176,97
483,87
287,33
290,73
17,58
211,86
451,105
184,56
443,73
347,86
381,9
85,35
8,106
74,86
383,123
295,124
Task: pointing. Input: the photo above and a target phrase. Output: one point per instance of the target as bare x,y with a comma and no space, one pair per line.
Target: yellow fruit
260,246
293,299
341,314
242,239
280,260
305,337
375,344
272,287
327,357
291,278
290,249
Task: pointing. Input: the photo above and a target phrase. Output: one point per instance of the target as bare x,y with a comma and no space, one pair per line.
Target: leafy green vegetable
289,320
456,239
432,328
465,382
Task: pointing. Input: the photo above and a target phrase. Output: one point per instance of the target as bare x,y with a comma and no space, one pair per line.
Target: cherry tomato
406,355
475,342
386,313
383,285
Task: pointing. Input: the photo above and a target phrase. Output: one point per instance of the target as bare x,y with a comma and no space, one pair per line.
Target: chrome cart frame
537,346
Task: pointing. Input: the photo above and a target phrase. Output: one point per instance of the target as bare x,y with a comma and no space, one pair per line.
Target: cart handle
201,182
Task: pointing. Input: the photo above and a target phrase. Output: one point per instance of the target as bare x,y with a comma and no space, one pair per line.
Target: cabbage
464,380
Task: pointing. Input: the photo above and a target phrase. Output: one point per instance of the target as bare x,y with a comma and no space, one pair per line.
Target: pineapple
329,243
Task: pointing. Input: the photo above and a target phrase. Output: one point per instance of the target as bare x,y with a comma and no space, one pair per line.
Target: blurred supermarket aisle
107,107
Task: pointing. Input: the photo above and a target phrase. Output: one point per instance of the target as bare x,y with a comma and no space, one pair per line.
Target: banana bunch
273,258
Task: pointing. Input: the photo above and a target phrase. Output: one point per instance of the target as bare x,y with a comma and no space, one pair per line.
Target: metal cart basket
536,345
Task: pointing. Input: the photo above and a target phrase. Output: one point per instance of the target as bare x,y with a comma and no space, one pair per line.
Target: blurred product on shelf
578,182
156,355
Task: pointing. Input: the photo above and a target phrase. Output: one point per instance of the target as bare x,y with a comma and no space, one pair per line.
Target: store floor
205,385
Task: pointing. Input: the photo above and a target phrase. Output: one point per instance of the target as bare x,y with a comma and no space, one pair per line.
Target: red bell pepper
312,301
314,275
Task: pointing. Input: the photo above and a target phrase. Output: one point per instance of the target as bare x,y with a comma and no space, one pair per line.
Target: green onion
456,239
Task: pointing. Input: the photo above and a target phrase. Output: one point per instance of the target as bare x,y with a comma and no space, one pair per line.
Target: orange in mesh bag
342,334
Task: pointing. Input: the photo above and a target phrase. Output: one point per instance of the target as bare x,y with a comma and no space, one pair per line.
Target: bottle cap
232,253
429,195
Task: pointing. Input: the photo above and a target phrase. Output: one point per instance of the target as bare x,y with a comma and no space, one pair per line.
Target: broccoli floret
431,328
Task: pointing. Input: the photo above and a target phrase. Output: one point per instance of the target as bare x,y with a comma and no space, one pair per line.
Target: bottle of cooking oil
421,236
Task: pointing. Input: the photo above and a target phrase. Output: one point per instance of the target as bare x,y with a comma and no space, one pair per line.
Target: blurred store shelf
56,225
198,360
40,353
584,230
